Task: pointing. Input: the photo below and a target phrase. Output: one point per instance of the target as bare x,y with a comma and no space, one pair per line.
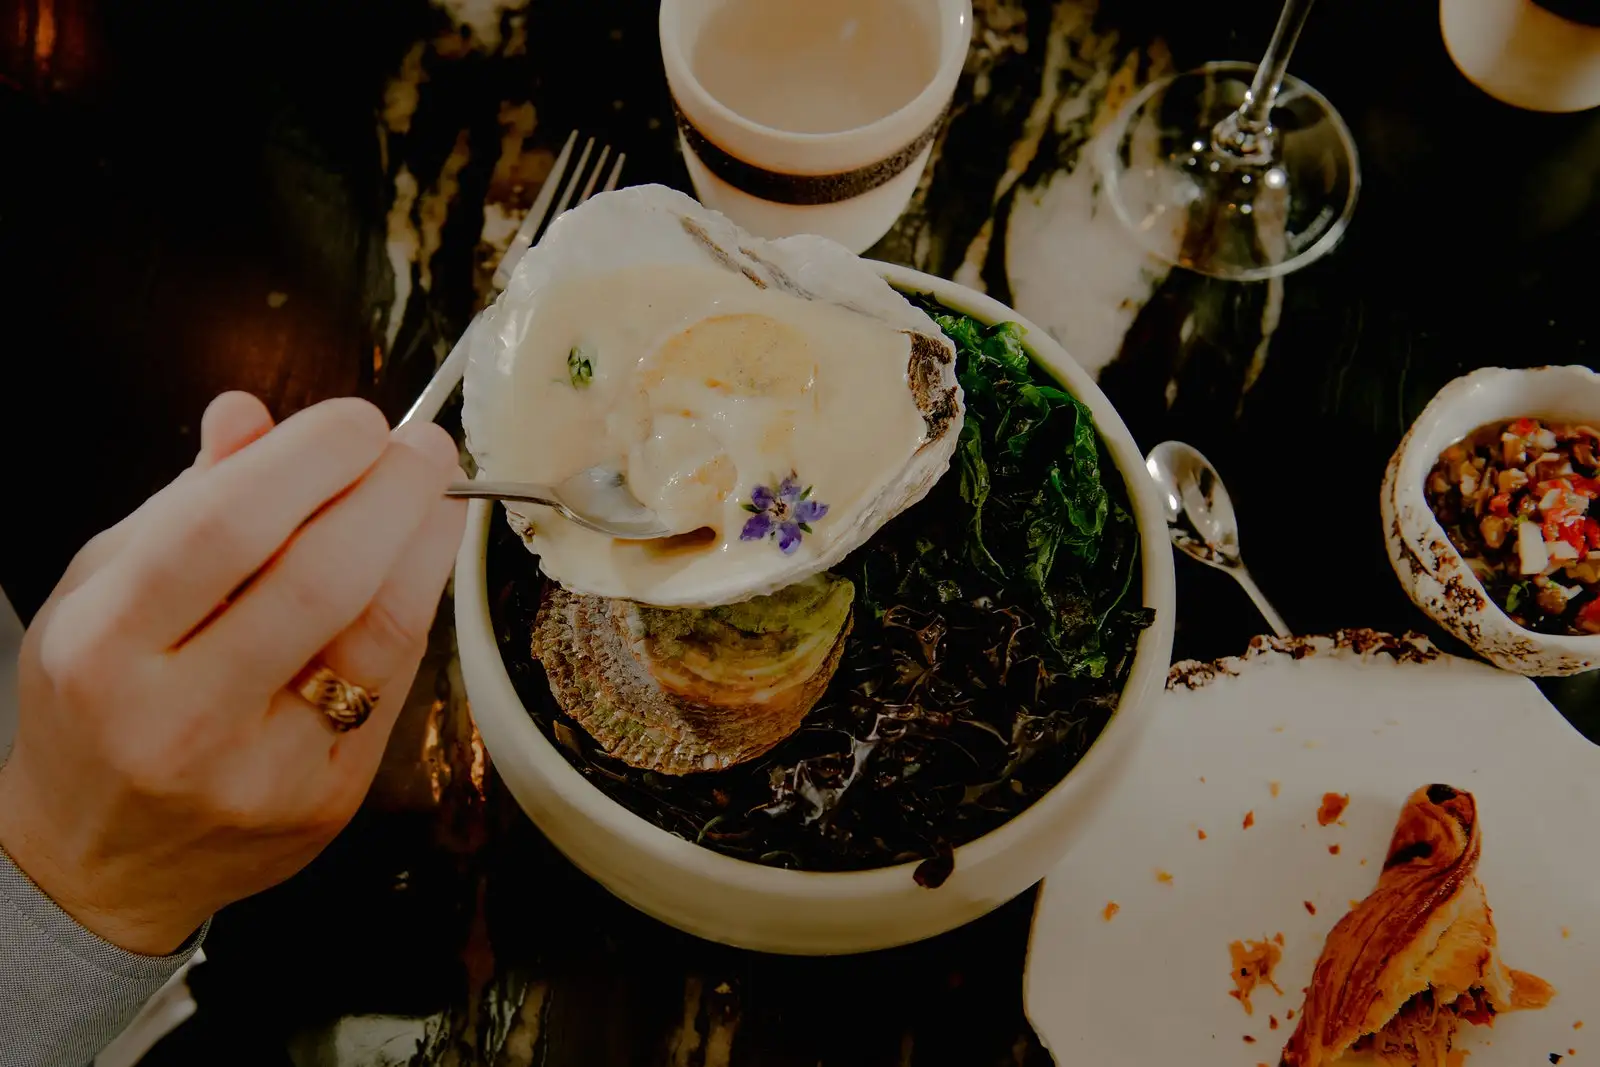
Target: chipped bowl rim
975,888
1416,531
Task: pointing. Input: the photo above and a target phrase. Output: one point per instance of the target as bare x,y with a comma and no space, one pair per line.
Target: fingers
332,570
379,652
220,526
393,629
332,771
230,422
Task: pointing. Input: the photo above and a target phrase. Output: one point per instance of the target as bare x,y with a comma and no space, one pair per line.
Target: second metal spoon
1200,517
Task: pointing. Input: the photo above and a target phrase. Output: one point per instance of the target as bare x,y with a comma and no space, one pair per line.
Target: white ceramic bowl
774,910
1430,568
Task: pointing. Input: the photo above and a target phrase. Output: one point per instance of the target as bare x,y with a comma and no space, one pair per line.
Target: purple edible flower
784,513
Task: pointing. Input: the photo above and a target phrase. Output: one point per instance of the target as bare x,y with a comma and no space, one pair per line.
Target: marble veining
483,19
402,245
1071,266
466,111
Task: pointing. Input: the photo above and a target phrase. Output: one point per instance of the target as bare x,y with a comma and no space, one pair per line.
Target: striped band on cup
807,190
1583,12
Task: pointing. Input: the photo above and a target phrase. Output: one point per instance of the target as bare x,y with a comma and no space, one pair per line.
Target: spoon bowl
597,499
1200,517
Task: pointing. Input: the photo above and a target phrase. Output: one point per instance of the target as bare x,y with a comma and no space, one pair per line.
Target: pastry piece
683,690
1400,972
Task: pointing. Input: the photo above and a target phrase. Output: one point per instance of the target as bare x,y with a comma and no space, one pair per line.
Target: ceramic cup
1542,55
849,186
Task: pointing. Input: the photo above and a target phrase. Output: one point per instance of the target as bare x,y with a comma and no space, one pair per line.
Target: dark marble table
305,199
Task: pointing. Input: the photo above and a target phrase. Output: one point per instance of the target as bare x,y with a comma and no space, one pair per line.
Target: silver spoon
1200,517
597,499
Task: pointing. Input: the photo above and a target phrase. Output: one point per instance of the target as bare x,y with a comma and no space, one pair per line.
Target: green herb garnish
1519,594
580,366
1041,443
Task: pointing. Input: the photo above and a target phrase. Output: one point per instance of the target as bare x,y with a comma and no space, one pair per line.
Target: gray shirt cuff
65,993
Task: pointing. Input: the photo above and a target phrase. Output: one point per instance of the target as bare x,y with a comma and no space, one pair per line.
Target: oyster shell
686,690
775,401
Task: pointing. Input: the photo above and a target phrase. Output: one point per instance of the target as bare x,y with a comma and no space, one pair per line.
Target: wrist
40,852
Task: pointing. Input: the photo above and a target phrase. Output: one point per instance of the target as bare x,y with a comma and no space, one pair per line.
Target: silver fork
448,376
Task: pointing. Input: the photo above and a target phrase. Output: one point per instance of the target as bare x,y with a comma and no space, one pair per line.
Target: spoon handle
522,492
1274,620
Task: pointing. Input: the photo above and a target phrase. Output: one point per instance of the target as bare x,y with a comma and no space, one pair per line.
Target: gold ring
346,704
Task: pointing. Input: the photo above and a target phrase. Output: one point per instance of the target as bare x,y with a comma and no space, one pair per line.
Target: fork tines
540,214
449,374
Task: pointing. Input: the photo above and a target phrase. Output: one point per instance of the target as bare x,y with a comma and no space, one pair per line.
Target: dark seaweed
995,624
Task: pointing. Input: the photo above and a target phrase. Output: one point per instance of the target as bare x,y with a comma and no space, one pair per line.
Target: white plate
1364,714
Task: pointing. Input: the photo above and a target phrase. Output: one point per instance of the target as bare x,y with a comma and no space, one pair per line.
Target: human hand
163,766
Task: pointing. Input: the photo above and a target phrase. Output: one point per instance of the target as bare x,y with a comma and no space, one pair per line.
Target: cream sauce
701,387
817,66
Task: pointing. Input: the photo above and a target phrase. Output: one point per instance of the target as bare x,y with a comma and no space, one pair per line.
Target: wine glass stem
1248,131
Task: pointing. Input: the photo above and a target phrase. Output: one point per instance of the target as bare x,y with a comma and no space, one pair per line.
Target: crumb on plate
1249,819
1333,850
1112,907
1333,805
1202,834
1312,908
1164,877
1253,962
1275,788
1272,1022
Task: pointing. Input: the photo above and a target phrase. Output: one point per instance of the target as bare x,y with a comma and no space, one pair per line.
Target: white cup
1525,53
849,186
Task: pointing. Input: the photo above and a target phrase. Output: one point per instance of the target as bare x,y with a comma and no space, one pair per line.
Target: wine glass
1232,170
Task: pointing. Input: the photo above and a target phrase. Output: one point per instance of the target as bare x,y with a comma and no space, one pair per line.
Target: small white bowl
1428,565
810,913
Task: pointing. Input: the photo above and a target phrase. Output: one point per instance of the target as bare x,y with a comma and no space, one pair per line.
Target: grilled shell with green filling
685,690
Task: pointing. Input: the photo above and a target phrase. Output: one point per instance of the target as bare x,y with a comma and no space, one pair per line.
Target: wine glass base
1192,203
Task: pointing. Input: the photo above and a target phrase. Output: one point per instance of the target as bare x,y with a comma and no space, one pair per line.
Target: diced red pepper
1589,617
1572,534
1500,504
1523,427
1591,534
1589,487
1563,528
